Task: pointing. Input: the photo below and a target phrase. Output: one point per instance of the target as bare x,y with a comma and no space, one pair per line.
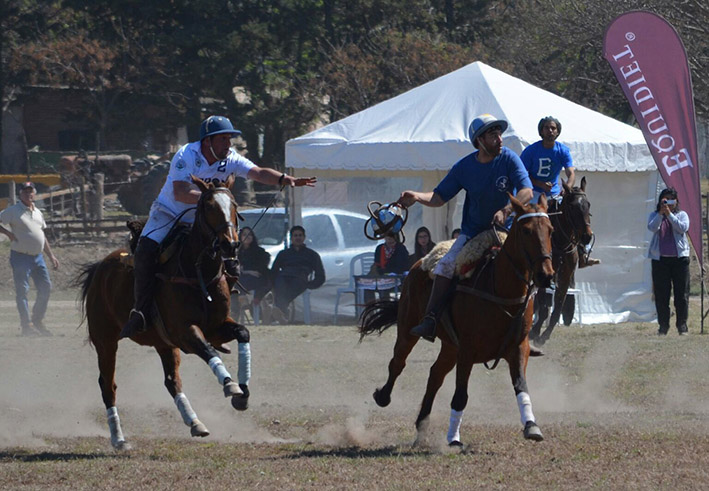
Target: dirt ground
620,408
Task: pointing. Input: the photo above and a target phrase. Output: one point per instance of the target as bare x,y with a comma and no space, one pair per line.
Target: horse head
218,217
531,233
577,208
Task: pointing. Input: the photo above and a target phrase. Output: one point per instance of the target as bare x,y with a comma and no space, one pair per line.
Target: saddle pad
472,251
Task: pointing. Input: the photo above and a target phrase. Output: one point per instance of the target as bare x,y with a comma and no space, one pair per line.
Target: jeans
25,266
671,273
286,289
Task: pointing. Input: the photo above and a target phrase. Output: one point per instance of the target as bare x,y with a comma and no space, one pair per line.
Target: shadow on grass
358,453
9,456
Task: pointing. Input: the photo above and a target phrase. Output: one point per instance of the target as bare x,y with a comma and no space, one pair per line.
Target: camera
669,201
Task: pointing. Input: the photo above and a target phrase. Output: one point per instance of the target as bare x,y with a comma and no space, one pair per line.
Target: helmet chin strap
212,150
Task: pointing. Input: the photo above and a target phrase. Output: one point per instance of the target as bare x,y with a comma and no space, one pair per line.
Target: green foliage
296,62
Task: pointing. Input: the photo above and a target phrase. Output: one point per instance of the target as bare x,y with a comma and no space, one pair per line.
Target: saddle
483,246
168,247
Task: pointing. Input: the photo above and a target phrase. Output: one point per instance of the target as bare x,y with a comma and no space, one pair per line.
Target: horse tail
83,282
378,316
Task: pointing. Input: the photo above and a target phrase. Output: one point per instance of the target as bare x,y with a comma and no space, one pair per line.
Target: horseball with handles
387,218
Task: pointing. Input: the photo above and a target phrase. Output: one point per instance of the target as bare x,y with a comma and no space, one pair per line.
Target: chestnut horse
489,315
192,298
572,227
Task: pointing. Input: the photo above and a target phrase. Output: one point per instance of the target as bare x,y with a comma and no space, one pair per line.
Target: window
320,232
353,231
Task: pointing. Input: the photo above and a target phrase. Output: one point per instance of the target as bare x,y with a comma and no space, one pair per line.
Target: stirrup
427,328
129,329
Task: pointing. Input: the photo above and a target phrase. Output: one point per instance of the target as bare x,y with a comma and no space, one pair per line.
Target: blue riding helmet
216,125
547,119
483,123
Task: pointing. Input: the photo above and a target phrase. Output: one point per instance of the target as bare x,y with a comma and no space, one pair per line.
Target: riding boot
427,328
144,270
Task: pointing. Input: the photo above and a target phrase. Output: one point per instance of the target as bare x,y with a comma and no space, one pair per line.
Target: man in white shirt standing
27,242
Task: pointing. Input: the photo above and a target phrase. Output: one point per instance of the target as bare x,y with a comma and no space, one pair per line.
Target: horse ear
583,184
199,183
567,188
543,204
230,181
516,204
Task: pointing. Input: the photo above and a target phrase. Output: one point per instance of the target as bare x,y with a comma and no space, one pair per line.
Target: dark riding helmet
216,125
546,120
483,123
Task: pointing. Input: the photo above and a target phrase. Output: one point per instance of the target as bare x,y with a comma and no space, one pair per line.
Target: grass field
620,407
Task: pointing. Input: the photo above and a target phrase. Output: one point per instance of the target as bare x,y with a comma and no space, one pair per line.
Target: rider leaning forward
487,175
212,159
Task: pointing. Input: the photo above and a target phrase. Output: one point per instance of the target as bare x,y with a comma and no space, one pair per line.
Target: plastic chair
359,265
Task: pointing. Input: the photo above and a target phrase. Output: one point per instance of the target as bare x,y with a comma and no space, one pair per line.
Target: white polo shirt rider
189,160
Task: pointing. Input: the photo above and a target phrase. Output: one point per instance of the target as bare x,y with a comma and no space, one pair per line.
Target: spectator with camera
669,251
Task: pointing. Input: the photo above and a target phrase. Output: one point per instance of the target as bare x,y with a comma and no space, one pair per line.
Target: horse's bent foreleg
402,348
199,346
541,309
173,383
559,297
518,366
229,331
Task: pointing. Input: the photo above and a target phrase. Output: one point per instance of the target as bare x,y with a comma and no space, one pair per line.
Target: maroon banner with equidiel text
650,62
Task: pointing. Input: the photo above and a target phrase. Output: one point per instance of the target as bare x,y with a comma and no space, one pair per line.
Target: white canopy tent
410,141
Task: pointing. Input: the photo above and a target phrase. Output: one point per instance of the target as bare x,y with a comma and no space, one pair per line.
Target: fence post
97,197
11,195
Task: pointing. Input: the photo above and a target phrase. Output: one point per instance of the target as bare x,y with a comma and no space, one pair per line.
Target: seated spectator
455,234
423,245
291,272
391,257
253,262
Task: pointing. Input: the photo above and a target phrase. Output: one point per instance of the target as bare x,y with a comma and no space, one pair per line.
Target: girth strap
492,298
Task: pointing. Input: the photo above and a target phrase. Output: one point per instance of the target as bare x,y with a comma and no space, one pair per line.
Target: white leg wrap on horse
525,407
244,363
188,415
454,426
219,369
114,424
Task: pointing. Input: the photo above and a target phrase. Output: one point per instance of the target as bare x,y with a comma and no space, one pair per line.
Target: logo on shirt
180,164
502,184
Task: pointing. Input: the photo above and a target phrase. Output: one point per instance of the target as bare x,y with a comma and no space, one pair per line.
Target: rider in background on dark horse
544,160
487,176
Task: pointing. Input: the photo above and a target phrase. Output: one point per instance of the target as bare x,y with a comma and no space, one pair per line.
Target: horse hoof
456,443
223,348
539,342
381,399
240,403
198,429
535,351
121,446
232,389
532,432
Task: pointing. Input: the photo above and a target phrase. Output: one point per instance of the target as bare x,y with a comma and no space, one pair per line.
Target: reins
515,327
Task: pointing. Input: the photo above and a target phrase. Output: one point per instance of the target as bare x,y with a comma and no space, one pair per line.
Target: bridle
573,239
531,263
214,232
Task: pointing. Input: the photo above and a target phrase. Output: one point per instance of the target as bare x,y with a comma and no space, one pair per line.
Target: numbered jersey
189,160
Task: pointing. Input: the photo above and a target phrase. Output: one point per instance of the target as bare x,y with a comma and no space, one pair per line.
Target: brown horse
572,227
193,302
490,316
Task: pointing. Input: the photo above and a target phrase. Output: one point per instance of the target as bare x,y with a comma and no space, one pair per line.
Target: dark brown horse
572,227
490,316
192,299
